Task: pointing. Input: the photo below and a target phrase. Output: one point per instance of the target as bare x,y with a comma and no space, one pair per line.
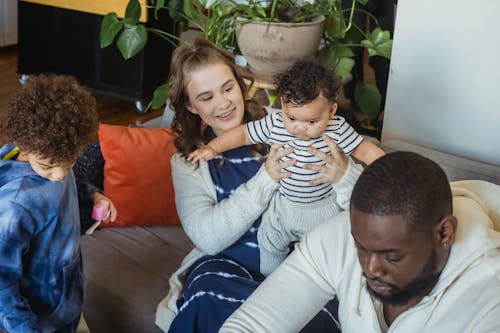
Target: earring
445,245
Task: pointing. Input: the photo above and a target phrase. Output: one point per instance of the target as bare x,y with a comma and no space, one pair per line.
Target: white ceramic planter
272,47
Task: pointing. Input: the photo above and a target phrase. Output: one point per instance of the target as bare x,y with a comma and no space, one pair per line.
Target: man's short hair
406,184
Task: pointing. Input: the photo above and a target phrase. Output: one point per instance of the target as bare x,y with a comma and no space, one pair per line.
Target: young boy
50,121
308,93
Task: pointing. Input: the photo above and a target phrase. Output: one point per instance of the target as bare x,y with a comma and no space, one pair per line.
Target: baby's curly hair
304,81
52,116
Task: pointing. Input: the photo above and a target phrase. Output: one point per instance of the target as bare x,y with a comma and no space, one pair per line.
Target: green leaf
272,99
190,10
210,4
379,42
363,2
175,10
354,35
261,11
132,40
368,99
159,4
133,10
335,26
344,67
160,96
369,45
346,51
379,36
330,53
385,49
110,27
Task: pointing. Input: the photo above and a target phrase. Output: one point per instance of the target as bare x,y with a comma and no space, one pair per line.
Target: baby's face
45,168
310,120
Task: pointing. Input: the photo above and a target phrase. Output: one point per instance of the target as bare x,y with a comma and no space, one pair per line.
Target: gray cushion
126,272
456,167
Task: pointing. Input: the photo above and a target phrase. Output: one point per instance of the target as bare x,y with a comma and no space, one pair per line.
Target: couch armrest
456,167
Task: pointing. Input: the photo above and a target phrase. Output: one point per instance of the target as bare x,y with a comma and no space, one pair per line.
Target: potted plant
220,20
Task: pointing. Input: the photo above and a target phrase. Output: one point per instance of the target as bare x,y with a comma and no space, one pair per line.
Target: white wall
444,82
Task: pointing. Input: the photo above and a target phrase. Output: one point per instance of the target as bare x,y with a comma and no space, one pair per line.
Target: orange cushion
137,175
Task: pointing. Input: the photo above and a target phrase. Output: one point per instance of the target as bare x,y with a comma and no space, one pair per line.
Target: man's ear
333,109
446,230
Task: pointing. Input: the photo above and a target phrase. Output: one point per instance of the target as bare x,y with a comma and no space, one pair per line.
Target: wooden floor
111,110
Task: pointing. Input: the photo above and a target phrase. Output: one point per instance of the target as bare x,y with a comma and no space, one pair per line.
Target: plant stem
167,36
368,14
351,14
273,8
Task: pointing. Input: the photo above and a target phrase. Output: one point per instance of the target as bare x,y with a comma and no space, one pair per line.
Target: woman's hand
274,166
336,163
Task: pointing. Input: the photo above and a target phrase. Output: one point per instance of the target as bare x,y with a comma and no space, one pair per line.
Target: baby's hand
203,154
97,198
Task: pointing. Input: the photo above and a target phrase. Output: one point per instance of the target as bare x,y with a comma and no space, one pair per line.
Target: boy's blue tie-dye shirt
41,279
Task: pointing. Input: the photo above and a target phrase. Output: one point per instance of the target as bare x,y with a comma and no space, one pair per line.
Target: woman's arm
213,226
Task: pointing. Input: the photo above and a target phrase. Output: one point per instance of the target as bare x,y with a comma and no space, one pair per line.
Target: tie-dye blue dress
217,285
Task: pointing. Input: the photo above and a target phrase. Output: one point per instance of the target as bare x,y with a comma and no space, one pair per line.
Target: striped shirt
296,188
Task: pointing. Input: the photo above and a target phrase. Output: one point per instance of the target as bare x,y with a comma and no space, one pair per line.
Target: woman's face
214,95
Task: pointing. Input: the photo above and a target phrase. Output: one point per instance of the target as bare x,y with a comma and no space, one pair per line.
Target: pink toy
100,213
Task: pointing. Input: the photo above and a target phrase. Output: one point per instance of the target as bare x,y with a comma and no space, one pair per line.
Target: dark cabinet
57,40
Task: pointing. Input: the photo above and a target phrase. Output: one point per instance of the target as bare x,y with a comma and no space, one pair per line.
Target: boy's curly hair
53,116
304,81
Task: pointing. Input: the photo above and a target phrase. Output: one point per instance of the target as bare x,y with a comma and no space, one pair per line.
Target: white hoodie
466,297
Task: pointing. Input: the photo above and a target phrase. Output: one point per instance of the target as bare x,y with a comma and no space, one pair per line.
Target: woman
220,202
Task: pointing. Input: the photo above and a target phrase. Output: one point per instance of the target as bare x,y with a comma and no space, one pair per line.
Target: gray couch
127,269
126,275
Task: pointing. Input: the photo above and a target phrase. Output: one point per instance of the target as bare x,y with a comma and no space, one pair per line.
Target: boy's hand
97,198
203,154
336,163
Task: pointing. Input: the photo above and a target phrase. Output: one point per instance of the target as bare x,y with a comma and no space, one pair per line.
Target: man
412,258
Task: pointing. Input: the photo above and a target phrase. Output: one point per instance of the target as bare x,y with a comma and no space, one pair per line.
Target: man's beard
427,279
